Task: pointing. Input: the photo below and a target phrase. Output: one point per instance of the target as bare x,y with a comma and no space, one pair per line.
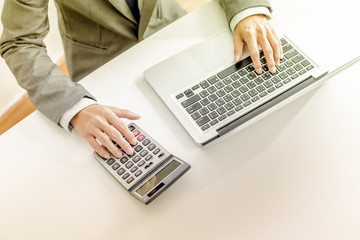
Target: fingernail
136,115
118,154
273,70
133,141
259,70
237,58
129,151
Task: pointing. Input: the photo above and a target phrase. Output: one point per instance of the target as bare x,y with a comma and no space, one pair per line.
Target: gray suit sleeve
21,45
232,7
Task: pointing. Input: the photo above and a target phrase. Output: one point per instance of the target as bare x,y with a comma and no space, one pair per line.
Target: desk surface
292,175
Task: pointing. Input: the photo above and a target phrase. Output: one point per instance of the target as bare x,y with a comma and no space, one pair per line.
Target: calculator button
136,133
136,159
130,180
129,165
143,153
120,171
115,166
148,157
138,148
161,155
151,147
138,173
131,128
141,163
134,169
110,161
124,159
148,165
156,151
141,137
146,142
126,175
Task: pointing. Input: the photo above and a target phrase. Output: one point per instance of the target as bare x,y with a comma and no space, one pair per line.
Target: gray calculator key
134,169
120,171
138,173
148,157
124,159
126,175
136,159
156,151
115,166
110,161
138,148
141,163
151,147
143,153
146,142
130,179
129,165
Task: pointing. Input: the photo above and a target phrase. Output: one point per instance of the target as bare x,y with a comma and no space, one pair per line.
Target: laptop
211,95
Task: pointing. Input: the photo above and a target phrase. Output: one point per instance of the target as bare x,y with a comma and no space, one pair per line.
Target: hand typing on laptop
255,30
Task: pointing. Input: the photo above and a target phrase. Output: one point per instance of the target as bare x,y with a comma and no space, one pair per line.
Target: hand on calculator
101,126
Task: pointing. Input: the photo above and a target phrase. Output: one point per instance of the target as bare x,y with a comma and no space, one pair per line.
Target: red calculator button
136,132
141,137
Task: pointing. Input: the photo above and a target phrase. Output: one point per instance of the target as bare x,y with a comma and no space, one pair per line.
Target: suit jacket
93,32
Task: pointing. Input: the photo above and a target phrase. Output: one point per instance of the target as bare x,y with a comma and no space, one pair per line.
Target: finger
254,53
238,47
123,129
103,137
98,148
280,46
268,52
123,113
276,46
115,135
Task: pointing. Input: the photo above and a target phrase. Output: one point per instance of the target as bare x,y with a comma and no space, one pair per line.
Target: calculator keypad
129,169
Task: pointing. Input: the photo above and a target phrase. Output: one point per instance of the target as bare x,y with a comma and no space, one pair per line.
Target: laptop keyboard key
201,121
190,101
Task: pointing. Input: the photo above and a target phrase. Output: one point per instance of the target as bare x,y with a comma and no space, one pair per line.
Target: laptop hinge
262,108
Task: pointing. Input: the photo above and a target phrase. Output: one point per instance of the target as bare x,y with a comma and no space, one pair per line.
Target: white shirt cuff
69,114
248,12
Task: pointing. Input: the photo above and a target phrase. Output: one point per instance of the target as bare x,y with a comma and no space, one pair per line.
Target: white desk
292,175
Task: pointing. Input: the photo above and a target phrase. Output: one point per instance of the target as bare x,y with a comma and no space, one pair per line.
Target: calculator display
156,179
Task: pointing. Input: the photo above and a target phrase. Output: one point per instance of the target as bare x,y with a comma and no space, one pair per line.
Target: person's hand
101,125
255,30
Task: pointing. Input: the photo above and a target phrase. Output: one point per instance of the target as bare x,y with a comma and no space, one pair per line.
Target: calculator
149,171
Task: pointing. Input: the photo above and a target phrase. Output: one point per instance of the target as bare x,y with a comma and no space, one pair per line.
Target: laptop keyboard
238,87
